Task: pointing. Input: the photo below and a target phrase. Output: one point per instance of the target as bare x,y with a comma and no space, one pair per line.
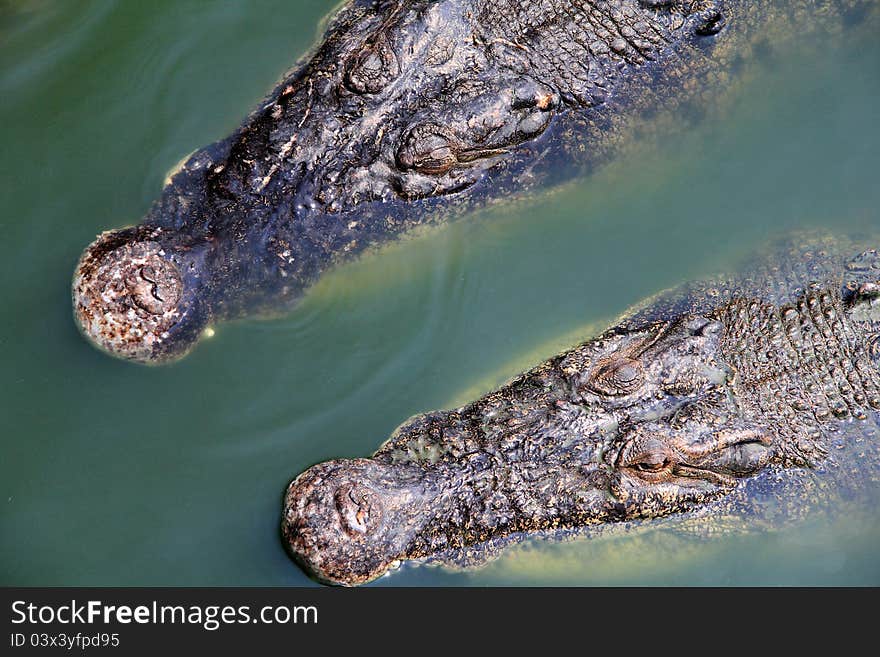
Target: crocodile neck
801,365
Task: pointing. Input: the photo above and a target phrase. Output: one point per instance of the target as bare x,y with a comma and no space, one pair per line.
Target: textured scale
583,45
803,347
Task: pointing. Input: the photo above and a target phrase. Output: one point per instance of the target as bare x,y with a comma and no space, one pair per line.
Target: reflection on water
118,474
840,550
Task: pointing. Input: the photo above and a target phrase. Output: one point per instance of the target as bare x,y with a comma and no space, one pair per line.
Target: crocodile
407,113
711,399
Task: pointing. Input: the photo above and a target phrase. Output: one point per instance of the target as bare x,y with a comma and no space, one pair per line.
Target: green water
116,474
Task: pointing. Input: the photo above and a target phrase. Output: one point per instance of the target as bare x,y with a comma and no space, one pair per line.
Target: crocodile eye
652,467
359,509
652,463
372,69
617,376
648,459
428,149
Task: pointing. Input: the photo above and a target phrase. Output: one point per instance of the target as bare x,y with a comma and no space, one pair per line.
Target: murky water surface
118,474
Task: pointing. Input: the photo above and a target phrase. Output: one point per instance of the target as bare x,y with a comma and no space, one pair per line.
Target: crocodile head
635,424
401,105
396,104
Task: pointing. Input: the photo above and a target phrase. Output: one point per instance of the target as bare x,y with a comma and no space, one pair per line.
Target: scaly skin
407,113
711,399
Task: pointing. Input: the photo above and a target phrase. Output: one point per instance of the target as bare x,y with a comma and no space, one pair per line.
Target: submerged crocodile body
407,112
713,399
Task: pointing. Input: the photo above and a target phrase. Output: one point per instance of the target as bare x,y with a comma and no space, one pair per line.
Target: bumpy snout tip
128,299
335,523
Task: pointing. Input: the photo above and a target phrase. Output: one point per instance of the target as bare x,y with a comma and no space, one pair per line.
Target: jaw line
696,472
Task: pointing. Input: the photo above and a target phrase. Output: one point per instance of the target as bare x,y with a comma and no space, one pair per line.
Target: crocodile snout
129,299
348,521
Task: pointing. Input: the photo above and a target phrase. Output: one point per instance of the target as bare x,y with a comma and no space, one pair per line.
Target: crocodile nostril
359,509
155,286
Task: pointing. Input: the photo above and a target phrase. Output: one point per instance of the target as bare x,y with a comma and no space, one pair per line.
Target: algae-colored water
114,474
